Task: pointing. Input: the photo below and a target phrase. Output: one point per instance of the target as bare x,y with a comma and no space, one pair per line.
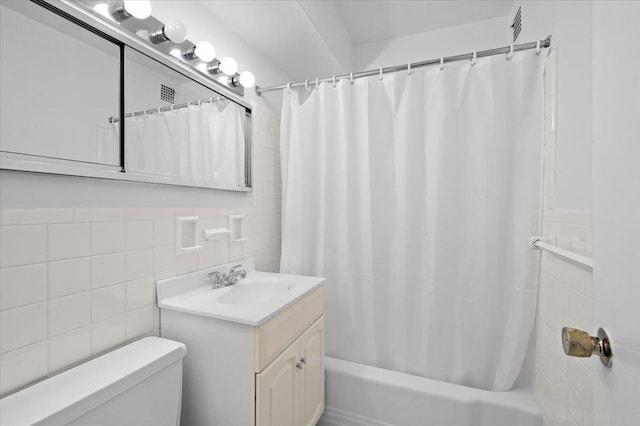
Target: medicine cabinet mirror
80,98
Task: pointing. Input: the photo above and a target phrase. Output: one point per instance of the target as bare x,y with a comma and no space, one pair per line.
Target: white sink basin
252,300
253,290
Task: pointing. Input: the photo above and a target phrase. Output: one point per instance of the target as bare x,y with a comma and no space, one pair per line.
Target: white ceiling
316,37
368,21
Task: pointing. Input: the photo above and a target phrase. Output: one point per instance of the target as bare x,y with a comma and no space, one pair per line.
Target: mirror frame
78,15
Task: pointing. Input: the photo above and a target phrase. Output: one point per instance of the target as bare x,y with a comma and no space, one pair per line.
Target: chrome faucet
235,275
219,280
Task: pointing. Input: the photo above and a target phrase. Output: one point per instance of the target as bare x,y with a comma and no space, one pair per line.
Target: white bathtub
359,395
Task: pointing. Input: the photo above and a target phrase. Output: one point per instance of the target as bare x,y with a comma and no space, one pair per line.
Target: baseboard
336,417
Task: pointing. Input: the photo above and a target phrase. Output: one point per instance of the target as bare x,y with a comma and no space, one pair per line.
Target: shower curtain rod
408,67
169,107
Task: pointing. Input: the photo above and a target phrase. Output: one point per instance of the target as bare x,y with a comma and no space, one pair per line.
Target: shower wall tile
76,283
563,386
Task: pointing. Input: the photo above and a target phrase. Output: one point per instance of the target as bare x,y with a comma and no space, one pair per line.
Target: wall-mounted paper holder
216,233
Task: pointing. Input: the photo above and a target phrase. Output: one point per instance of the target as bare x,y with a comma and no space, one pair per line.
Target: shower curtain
415,196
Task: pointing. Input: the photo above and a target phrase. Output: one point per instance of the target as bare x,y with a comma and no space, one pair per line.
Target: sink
253,290
252,300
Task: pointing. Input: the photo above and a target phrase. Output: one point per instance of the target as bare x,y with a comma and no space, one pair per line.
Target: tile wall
563,386
75,283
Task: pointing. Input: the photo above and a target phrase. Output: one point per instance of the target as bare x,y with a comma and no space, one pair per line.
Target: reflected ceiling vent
516,26
167,94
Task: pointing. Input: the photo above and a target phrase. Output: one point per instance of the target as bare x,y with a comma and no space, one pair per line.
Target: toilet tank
139,384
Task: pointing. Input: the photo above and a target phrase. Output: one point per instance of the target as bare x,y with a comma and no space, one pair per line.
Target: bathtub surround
402,189
76,283
563,386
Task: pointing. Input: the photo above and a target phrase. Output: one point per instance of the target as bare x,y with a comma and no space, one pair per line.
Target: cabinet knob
303,360
299,366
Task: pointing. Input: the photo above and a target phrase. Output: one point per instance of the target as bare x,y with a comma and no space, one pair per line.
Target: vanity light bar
169,38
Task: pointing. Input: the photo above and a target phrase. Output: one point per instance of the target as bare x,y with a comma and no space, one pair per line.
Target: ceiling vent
167,94
516,26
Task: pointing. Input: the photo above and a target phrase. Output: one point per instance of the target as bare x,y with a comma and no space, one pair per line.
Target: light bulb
205,51
228,65
247,79
175,31
140,9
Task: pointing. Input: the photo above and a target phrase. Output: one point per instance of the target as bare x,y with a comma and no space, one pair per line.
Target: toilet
139,384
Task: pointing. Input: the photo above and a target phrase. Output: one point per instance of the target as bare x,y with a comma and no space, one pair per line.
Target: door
616,208
312,374
278,389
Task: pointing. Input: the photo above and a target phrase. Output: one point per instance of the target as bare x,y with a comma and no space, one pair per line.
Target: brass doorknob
580,344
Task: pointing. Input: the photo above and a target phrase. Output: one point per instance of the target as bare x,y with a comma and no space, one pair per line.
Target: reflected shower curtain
415,197
202,142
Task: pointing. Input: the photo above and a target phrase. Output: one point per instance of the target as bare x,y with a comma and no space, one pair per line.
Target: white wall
562,386
570,24
482,35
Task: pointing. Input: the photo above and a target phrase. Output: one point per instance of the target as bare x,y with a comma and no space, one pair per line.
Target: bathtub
359,395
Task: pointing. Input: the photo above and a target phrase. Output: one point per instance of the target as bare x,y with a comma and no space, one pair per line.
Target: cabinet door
277,390
312,374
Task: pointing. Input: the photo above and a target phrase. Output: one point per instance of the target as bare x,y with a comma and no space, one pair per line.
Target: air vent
517,24
167,94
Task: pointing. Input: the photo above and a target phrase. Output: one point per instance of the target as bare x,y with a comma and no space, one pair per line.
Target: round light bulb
247,79
140,9
228,65
175,31
205,51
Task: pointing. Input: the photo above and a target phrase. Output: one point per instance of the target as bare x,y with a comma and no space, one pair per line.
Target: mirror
58,82
180,129
66,83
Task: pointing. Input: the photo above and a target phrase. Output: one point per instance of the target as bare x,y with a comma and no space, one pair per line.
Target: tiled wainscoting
563,386
76,283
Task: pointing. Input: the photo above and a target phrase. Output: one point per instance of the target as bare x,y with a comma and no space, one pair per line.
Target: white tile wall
563,386
75,283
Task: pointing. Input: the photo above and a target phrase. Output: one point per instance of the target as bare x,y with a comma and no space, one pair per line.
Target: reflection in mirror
180,129
58,82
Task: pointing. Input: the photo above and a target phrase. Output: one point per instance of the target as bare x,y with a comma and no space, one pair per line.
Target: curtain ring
289,87
351,78
159,110
538,47
510,54
211,99
317,83
199,102
409,68
334,81
474,60
306,84
441,63
380,73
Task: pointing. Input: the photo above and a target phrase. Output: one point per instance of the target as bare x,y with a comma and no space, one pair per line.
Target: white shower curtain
415,197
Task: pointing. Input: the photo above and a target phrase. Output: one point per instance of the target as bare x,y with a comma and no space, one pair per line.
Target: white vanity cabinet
290,390
248,370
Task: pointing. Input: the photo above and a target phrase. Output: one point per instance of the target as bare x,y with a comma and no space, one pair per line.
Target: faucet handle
233,268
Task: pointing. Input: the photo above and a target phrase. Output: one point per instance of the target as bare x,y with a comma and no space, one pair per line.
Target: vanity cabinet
290,390
269,373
